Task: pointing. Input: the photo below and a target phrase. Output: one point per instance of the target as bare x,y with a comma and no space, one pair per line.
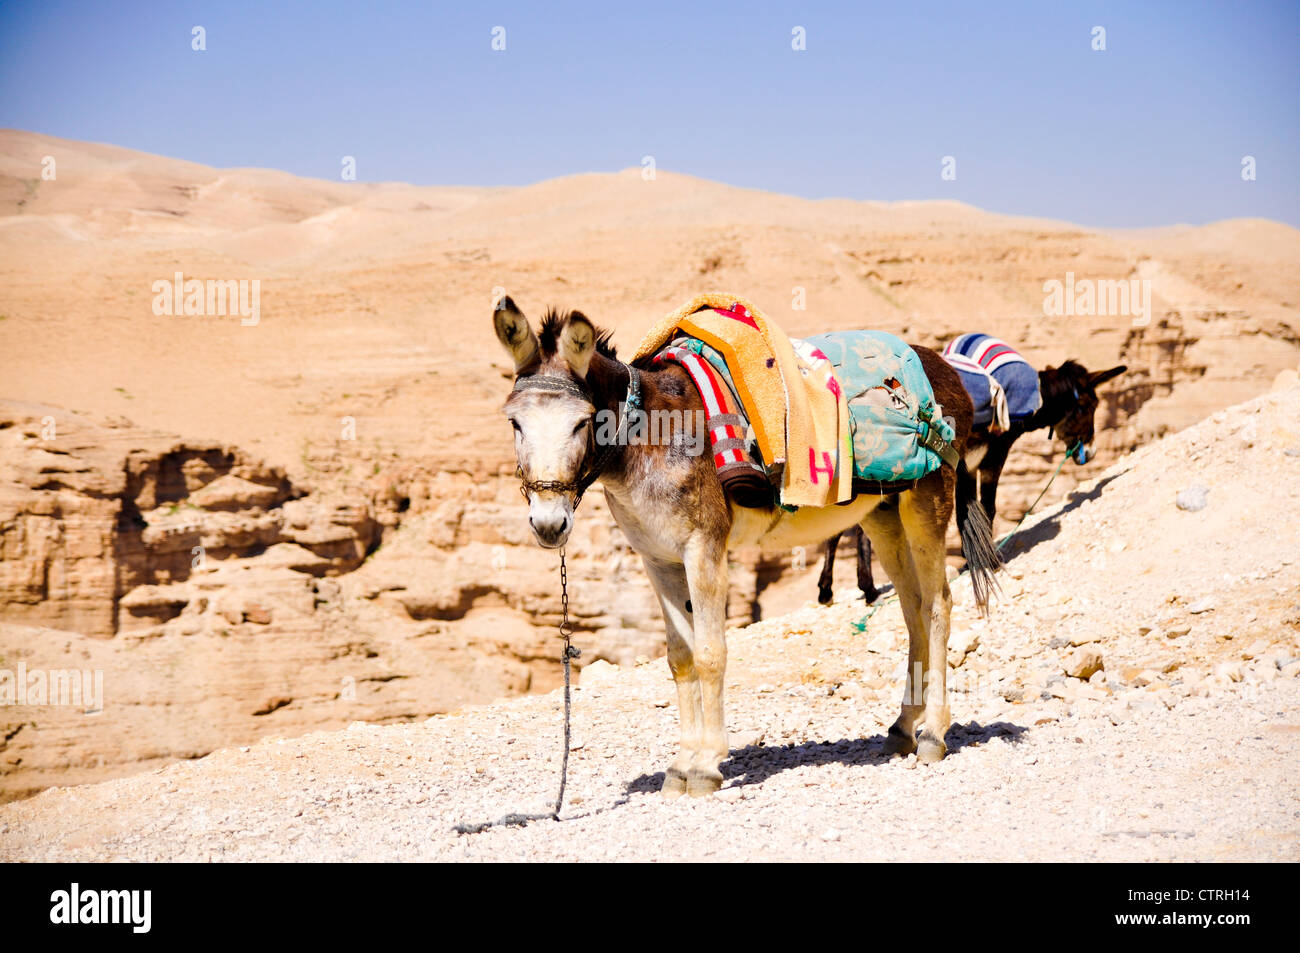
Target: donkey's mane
554,321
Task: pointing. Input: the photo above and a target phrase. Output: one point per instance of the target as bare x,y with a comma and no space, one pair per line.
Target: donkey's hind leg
669,581
884,527
866,584
926,512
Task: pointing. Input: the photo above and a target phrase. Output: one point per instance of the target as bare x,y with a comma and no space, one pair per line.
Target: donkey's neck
665,390
1054,408
608,380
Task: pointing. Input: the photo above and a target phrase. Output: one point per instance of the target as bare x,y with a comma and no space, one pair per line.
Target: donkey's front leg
669,581
706,572
990,471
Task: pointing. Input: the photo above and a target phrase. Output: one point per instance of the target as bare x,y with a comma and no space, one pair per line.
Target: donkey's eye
515,424
578,428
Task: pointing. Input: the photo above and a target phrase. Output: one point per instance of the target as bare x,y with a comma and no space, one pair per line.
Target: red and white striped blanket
735,449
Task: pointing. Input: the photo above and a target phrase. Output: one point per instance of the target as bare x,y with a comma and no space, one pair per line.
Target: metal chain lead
578,488
566,632
569,653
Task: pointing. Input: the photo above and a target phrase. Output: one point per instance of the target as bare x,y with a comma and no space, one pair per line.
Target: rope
566,632
861,624
1068,453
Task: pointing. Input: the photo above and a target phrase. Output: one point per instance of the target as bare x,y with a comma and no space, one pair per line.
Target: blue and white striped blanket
1002,384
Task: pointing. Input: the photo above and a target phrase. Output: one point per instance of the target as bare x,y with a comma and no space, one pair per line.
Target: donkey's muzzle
551,522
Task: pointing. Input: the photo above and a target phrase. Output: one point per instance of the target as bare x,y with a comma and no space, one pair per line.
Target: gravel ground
1213,779
1182,747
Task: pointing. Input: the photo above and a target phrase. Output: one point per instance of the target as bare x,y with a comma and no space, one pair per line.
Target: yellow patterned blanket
788,387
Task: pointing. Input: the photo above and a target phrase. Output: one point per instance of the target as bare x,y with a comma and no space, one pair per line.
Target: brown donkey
668,501
1069,407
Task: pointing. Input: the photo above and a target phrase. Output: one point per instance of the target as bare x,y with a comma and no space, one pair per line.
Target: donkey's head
1070,398
551,409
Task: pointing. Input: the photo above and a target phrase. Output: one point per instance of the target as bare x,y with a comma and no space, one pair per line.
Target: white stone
1083,663
598,672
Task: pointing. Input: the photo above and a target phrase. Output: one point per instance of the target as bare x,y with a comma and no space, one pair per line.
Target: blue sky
1151,131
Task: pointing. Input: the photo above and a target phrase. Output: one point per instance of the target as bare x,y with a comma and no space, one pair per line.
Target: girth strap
932,441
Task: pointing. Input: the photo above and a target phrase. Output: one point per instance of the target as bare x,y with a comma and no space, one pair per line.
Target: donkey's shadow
1048,529
754,764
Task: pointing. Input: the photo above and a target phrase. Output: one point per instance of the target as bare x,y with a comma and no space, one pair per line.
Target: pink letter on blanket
813,469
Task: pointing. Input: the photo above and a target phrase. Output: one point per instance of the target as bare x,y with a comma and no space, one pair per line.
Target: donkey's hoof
674,783
929,749
871,595
825,596
701,783
899,742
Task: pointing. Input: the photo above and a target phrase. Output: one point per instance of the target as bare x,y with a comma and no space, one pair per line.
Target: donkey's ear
514,333
578,343
1096,378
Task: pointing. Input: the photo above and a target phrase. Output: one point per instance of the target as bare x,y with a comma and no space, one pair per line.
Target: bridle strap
597,466
552,383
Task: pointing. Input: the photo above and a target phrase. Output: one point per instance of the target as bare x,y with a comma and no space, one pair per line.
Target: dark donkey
670,505
1069,406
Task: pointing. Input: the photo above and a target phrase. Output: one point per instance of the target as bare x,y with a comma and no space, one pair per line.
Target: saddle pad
892,413
792,399
1017,378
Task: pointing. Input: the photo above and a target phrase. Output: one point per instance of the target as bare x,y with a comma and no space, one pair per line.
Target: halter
548,382
1077,450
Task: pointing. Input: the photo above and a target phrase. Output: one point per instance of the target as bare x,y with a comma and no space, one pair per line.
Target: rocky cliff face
106,529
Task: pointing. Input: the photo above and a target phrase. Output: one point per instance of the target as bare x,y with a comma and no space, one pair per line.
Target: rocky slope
1133,696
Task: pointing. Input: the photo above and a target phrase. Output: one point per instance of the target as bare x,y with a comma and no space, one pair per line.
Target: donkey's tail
982,558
